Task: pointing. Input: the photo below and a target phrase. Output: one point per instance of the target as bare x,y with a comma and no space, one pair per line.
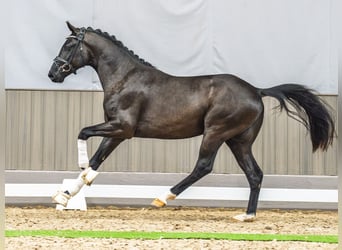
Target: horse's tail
311,110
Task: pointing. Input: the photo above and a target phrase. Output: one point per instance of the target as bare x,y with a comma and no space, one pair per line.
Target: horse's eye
69,45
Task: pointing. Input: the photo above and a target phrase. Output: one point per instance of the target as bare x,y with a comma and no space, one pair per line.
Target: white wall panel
266,42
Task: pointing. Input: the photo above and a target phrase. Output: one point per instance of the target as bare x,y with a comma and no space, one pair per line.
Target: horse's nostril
50,75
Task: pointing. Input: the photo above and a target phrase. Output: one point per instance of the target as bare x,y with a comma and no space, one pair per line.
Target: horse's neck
111,75
111,65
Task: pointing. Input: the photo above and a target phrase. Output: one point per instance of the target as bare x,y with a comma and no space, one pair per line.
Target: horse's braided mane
119,44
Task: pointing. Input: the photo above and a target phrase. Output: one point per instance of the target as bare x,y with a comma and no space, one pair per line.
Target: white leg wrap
77,185
83,160
167,196
245,217
88,176
61,198
161,201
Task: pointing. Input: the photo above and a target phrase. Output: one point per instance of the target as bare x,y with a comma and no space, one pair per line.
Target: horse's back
182,107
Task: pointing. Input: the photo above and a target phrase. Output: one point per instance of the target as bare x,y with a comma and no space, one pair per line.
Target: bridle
64,65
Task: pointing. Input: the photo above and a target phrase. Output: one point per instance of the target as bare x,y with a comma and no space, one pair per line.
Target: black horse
142,101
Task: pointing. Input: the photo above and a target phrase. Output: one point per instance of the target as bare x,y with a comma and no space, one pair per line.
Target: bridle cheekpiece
64,65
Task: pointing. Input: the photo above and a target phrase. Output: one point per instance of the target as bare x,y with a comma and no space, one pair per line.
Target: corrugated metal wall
42,129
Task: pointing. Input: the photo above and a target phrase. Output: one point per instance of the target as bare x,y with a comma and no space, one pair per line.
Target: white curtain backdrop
266,42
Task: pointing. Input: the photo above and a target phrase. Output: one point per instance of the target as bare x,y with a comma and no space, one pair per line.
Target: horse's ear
72,28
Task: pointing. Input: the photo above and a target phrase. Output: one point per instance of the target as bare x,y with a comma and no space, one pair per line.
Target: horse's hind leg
210,145
241,147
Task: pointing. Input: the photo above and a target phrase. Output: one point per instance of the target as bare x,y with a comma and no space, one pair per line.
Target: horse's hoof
158,203
61,198
161,201
245,217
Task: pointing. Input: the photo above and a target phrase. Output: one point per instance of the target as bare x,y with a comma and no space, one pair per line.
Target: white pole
336,10
2,135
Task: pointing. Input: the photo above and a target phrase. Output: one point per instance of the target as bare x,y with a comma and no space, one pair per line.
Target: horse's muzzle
55,78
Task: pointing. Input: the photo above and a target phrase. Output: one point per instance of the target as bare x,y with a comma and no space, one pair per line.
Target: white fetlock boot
245,217
162,200
86,177
89,175
61,198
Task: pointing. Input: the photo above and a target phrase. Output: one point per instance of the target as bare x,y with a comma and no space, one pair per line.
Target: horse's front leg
114,132
116,129
89,173
106,147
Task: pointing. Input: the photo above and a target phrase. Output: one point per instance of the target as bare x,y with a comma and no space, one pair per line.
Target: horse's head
73,55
